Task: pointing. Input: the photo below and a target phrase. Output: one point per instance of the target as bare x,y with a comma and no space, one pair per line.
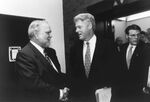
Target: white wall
51,10
144,23
120,26
119,29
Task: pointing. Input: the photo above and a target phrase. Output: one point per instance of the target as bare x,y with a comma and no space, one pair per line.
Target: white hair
34,27
86,16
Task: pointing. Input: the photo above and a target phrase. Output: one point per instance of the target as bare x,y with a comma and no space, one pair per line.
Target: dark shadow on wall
13,32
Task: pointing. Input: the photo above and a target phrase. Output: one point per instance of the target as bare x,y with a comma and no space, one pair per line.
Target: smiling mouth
79,34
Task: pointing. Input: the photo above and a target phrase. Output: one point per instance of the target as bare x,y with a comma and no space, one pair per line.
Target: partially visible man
144,37
90,61
118,43
134,65
37,67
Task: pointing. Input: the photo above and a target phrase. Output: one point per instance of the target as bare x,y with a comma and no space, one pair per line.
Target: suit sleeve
146,58
30,78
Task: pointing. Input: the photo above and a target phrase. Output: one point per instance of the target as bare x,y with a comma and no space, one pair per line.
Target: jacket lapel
54,59
81,56
137,51
41,58
98,51
124,51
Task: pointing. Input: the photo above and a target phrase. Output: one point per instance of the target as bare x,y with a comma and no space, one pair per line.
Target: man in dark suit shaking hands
38,70
90,61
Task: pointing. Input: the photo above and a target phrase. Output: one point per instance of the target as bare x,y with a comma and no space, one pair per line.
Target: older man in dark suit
91,61
38,70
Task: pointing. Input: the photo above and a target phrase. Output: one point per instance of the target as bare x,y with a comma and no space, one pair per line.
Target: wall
143,23
119,29
121,25
51,10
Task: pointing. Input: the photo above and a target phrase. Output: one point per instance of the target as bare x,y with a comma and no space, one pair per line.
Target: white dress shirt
133,48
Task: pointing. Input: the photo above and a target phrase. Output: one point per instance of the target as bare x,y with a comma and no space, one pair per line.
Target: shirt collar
38,47
132,45
92,40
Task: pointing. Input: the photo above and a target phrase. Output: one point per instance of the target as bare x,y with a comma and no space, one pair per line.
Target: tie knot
131,47
87,43
45,53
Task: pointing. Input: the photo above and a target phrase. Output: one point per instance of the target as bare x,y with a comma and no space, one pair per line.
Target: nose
77,30
136,37
50,36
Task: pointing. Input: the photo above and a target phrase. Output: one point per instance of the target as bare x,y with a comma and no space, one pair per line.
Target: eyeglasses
134,35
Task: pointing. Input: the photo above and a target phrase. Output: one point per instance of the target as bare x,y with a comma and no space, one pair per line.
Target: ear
126,36
36,34
90,25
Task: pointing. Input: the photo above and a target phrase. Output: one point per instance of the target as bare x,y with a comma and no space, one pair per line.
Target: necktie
129,56
48,59
87,60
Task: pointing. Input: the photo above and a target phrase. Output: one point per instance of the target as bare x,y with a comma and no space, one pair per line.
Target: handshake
146,90
65,93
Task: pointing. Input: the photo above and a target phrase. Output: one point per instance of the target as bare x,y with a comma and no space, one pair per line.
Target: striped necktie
129,56
48,58
50,62
87,63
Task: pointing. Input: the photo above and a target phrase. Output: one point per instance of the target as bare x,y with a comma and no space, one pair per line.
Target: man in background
144,37
38,71
118,43
134,65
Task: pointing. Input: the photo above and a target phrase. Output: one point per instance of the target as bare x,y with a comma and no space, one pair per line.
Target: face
83,29
133,37
44,35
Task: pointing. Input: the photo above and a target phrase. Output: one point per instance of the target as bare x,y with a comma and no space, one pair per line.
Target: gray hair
86,16
34,27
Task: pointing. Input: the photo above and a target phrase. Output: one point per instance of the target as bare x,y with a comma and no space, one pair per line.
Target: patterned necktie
50,62
129,56
48,58
87,63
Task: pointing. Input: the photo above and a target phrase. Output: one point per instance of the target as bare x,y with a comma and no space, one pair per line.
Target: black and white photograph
74,51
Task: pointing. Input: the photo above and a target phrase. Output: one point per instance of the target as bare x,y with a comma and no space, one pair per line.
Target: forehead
132,31
81,22
45,26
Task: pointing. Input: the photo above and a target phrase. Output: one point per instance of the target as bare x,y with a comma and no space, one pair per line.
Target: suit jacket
133,79
38,81
100,71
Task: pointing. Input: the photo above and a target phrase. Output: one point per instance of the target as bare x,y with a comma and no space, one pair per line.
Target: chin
47,45
81,38
134,43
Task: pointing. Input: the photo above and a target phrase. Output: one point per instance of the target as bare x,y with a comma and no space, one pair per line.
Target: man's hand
65,94
146,90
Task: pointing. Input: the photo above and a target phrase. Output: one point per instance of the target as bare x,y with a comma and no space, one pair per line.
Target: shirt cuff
61,93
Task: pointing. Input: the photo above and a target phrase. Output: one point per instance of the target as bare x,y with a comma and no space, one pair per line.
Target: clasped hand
65,94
